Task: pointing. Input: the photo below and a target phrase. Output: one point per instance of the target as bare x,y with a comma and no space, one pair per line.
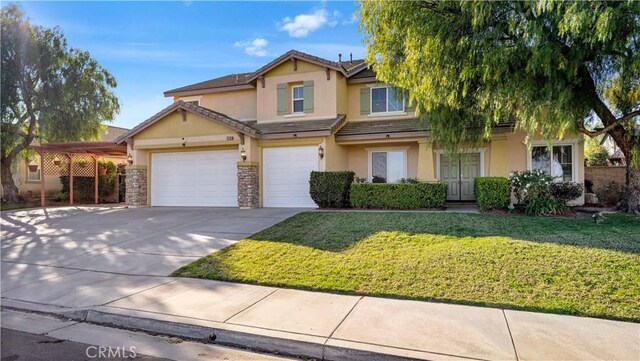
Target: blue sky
151,47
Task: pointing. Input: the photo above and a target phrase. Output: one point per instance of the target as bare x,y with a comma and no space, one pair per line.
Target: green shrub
530,183
398,196
109,165
491,192
565,191
544,205
331,189
610,194
597,156
84,187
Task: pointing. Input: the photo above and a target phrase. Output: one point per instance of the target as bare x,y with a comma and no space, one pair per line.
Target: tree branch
596,132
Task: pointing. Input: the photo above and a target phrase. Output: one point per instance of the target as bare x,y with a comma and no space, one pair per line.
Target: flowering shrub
529,183
540,195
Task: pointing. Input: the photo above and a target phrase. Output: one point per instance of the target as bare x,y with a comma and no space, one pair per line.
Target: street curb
283,343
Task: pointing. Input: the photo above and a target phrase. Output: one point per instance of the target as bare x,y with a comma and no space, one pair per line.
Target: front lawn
570,266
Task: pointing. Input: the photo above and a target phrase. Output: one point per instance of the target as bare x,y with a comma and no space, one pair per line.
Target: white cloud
255,47
303,24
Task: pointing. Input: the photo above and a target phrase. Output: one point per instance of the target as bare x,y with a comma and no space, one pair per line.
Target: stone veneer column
136,183
248,185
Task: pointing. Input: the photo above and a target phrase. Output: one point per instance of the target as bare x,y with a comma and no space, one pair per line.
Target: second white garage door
196,179
286,176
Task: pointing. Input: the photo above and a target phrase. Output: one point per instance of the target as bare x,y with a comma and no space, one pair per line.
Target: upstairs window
297,96
194,102
385,100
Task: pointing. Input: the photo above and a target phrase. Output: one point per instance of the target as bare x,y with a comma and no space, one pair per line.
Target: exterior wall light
320,152
243,154
130,159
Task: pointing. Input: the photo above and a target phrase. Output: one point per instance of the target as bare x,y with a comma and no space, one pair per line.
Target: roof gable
207,114
298,55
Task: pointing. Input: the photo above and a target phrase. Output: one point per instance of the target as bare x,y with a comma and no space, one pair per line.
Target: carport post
42,185
70,179
95,160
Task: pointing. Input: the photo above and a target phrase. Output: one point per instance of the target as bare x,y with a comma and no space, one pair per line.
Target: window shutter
308,96
365,100
282,99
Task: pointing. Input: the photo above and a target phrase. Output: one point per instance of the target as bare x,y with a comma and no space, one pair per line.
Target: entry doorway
458,172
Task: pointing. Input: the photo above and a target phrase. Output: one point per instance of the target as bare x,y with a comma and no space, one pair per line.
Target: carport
74,159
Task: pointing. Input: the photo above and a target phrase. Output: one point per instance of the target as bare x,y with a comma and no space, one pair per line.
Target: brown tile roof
381,127
299,126
221,82
298,55
217,117
251,128
112,133
346,67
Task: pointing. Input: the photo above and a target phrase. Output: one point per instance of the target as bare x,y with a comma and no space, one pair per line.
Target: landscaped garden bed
571,266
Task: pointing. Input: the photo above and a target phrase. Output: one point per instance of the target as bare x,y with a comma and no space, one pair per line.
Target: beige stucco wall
238,104
353,110
173,126
342,94
325,100
358,157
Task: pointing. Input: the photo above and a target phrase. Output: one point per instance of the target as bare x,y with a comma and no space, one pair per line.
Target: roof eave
214,116
220,89
288,56
388,135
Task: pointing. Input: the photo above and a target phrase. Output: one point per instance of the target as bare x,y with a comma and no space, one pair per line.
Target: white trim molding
481,151
574,154
387,113
196,98
403,149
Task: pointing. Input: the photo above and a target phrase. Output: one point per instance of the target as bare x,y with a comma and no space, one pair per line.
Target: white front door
197,179
286,173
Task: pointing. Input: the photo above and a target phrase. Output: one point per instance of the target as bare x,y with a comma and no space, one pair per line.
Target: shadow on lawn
335,232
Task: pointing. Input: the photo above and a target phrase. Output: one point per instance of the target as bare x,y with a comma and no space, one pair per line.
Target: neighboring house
28,182
252,139
616,157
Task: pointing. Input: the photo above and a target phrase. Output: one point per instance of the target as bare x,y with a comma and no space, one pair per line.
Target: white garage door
286,176
198,179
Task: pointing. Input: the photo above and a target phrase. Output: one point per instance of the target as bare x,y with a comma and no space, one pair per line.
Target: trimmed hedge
331,189
491,192
398,196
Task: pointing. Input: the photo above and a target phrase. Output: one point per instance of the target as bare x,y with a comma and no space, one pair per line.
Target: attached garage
195,179
286,172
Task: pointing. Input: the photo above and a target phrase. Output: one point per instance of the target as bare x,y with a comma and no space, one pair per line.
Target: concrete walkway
104,277
322,325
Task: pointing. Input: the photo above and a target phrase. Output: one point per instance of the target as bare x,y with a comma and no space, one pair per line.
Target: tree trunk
631,200
10,191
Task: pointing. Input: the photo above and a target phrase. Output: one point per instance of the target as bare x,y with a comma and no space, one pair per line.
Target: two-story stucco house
252,139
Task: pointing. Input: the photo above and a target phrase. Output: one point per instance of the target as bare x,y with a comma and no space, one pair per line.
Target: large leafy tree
49,92
550,66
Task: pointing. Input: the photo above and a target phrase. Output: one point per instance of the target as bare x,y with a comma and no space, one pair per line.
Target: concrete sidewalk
327,326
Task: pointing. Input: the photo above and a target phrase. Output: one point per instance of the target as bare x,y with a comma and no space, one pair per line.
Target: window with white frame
387,166
386,100
297,96
194,102
556,161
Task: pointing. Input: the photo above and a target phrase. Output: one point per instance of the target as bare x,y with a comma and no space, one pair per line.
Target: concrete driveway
85,256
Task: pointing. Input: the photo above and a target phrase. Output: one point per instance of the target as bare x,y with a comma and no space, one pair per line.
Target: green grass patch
569,266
